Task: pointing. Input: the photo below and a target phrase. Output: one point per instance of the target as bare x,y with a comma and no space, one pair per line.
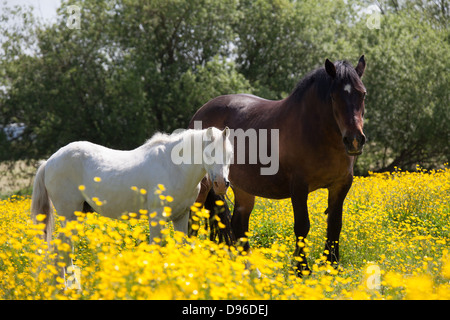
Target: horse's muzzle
220,186
354,143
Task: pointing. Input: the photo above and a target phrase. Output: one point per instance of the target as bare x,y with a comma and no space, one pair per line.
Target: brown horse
320,128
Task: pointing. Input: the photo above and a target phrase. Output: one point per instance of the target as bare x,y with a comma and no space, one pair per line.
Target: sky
42,9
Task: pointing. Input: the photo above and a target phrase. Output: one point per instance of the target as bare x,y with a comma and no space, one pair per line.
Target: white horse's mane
162,138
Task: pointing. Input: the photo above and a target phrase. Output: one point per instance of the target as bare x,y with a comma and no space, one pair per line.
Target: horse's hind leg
65,247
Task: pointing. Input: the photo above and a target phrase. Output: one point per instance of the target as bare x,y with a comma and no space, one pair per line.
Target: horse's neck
311,112
193,171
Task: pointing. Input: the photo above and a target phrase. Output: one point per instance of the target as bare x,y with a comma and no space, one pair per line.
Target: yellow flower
446,266
167,212
420,288
40,217
398,221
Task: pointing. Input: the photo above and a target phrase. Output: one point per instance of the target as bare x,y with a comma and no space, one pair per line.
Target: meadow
394,245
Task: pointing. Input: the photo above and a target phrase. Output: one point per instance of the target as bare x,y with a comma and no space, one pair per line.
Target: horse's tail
41,203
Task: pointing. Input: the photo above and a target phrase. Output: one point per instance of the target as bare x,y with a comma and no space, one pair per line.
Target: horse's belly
115,203
267,186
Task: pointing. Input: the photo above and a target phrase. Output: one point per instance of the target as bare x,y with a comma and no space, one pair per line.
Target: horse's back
81,151
229,110
74,154
77,160
236,100
78,163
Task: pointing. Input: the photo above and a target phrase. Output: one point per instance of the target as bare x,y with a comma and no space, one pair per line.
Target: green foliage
130,70
408,98
279,41
136,67
169,42
195,88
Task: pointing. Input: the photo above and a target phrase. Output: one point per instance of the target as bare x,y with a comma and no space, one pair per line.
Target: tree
215,78
280,41
65,90
408,98
166,39
117,79
136,67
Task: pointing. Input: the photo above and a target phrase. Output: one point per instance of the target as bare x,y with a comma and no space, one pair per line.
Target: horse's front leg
181,224
155,218
205,187
243,206
299,198
336,196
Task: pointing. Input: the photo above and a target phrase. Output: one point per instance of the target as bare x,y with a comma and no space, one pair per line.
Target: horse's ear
361,66
209,133
330,68
226,132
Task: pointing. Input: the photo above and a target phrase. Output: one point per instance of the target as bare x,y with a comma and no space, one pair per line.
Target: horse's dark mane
317,78
322,81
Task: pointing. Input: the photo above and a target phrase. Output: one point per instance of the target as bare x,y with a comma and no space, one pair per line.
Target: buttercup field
394,245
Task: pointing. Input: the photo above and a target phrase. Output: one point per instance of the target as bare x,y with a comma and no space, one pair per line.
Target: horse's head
217,155
347,98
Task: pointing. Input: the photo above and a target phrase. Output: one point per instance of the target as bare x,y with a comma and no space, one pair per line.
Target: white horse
110,179
109,176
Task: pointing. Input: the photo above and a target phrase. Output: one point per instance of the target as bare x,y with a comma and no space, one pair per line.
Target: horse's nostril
363,140
346,141
227,183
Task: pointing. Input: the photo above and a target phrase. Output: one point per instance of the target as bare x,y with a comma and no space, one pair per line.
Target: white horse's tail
41,204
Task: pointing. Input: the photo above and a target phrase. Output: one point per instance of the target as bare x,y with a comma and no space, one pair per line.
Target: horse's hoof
302,270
